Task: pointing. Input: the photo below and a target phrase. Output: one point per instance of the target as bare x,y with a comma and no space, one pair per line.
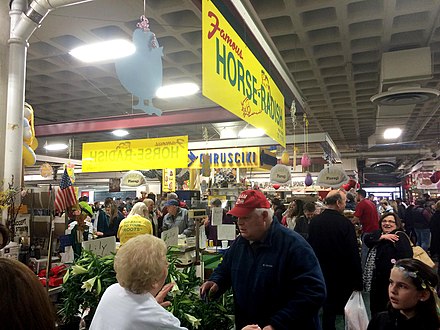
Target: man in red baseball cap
273,271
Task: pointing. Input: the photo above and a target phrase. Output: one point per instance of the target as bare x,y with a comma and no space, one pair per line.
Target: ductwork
24,21
385,153
401,76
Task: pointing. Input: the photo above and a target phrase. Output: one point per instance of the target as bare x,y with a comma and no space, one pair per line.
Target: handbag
356,317
419,253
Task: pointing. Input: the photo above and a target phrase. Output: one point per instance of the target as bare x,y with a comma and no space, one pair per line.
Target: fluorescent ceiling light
55,146
392,133
103,51
250,132
228,133
120,132
176,90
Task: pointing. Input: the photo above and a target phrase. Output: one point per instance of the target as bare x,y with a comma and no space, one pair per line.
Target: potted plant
83,286
86,281
186,304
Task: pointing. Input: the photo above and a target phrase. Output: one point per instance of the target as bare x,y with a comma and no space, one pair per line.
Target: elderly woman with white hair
136,301
136,223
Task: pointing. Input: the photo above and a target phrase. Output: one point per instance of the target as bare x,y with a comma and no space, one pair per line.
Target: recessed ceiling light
55,146
176,90
102,51
250,132
120,132
392,133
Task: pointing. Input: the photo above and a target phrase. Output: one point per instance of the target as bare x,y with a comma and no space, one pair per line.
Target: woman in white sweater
136,301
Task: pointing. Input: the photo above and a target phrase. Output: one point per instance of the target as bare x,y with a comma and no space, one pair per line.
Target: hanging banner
168,179
226,158
135,154
230,68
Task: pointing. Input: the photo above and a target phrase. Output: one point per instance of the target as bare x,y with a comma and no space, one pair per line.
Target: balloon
305,160
435,177
351,183
276,186
308,180
285,158
346,186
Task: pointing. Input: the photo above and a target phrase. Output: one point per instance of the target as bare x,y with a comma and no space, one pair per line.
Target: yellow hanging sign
168,179
135,154
230,68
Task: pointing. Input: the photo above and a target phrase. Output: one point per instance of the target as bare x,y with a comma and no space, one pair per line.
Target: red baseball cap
248,201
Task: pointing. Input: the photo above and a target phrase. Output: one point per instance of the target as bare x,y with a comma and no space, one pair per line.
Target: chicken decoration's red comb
143,24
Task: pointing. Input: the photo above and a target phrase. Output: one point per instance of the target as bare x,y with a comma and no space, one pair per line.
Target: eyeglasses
388,221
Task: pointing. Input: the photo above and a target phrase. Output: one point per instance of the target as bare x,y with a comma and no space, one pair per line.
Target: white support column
4,36
15,99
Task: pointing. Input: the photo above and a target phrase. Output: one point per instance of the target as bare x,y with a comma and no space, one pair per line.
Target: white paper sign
226,232
170,236
102,246
216,216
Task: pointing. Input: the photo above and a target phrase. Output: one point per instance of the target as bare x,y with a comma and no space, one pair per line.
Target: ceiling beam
171,118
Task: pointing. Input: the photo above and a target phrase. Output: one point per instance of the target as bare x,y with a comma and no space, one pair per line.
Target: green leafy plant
186,305
84,285
86,281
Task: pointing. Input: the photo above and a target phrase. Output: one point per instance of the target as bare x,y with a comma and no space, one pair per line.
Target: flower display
85,282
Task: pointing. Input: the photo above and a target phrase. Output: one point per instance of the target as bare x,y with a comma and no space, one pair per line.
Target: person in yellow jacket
136,223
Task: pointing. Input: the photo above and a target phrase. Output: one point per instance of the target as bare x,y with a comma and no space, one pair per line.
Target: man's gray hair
259,211
172,196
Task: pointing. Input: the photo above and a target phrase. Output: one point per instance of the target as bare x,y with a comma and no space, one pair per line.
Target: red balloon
276,186
352,183
435,177
346,186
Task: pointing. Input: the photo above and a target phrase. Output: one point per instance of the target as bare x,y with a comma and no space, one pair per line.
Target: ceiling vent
383,167
402,95
401,75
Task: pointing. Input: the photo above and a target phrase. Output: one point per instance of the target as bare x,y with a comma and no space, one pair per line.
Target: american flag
65,196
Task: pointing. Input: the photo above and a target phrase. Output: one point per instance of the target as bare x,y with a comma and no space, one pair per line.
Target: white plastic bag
356,317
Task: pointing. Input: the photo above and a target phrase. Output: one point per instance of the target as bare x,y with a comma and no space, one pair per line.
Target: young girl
413,299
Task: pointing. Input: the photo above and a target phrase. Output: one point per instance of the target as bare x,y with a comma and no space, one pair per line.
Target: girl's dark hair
424,278
24,303
395,216
299,208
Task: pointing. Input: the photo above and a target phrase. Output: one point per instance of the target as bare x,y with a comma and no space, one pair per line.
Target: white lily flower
76,270
175,290
194,321
88,285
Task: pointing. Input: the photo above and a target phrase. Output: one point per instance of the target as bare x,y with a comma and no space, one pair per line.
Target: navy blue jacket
278,284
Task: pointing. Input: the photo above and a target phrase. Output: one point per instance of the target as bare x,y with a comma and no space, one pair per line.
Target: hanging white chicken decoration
141,72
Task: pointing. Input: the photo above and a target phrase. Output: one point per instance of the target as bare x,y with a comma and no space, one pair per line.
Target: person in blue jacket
274,274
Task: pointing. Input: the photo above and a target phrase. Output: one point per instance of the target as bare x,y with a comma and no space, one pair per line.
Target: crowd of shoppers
285,266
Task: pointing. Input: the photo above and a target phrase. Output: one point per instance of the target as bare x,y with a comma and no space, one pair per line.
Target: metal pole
51,227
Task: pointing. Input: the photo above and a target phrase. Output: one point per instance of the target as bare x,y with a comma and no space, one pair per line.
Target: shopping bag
356,317
420,254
